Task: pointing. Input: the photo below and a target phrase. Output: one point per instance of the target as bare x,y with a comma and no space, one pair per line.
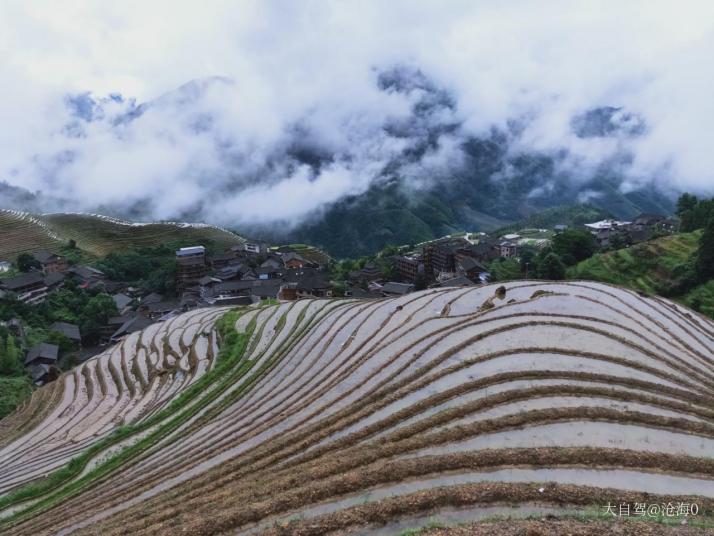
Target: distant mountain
428,174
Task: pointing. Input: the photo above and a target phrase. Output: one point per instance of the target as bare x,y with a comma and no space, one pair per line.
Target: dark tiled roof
397,288
266,289
133,324
42,351
315,282
39,371
70,330
44,256
87,272
164,306
459,281
54,278
231,286
151,298
222,257
121,301
292,256
23,280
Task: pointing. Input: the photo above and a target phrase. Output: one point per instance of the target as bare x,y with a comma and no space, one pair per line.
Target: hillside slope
22,232
334,415
649,267
646,266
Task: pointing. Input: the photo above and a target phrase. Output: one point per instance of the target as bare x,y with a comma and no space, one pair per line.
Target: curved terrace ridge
328,416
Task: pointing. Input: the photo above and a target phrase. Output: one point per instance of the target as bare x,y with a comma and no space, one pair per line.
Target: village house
113,324
440,256
29,288
191,266
40,360
232,271
458,281
87,276
71,331
313,286
357,292
154,297
132,323
396,289
604,230
288,291
652,221
369,272
249,249
190,300
483,251
471,269
293,261
123,302
54,280
50,262
221,260
206,284
262,290
508,249
158,310
409,266
268,272
40,373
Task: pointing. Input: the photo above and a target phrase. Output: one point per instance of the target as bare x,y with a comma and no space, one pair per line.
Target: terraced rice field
370,416
99,235
24,233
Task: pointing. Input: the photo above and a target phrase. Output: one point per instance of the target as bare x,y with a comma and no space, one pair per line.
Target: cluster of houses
32,287
42,360
243,274
464,260
450,261
613,232
253,271
249,272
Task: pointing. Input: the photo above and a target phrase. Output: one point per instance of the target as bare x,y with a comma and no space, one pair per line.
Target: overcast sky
314,64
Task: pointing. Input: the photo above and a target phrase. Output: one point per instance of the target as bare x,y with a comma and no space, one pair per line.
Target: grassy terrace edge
233,346
588,515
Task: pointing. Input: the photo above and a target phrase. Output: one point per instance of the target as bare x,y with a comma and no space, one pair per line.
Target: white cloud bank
306,71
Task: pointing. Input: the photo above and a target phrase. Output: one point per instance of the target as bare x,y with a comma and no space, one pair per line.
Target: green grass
649,267
646,267
14,390
701,298
98,236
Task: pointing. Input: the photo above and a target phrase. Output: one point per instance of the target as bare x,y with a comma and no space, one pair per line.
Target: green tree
617,242
704,264
25,262
528,261
686,202
505,270
9,357
574,245
95,315
551,267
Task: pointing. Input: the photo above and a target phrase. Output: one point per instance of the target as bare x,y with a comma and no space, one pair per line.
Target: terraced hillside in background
646,266
334,416
651,267
22,232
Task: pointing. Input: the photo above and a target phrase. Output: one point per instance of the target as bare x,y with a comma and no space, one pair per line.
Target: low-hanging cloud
292,106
